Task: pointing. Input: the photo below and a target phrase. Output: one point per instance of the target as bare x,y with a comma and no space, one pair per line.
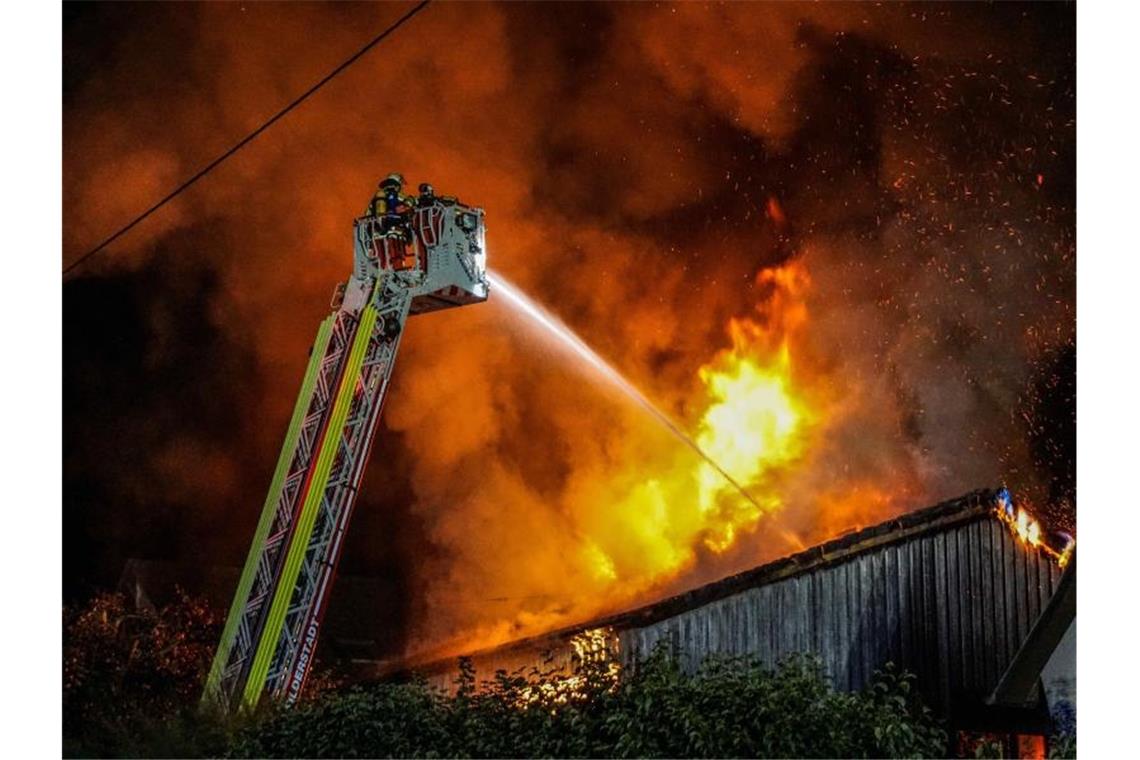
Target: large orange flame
754,422
753,425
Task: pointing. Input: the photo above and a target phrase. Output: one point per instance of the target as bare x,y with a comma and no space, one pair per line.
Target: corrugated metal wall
951,604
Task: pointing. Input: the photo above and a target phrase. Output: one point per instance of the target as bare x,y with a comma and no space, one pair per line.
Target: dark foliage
728,708
131,678
1063,744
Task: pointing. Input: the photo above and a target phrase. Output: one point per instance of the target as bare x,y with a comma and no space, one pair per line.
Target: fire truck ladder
435,258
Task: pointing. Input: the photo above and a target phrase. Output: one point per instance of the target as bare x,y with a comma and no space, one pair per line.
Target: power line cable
251,136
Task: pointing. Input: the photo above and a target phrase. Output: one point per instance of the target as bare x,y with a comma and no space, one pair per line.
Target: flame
754,420
751,427
1028,530
595,645
599,561
759,415
596,648
756,416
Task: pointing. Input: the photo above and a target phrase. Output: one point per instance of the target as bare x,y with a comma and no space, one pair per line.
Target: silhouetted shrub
131,678
728,708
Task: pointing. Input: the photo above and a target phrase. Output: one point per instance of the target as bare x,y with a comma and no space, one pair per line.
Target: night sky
641,165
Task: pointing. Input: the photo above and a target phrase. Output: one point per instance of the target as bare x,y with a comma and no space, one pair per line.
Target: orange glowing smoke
639,529
851,507
528,501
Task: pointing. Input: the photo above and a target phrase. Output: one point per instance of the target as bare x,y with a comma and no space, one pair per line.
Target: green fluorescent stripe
302,533
269,510
303,529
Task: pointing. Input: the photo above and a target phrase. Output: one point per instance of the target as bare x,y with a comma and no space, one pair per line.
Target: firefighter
390,204
394,211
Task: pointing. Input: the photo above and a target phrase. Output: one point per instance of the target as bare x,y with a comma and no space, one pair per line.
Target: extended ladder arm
436,260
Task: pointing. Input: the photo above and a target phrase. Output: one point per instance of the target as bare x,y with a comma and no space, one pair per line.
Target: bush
131,678
728,708
1063,743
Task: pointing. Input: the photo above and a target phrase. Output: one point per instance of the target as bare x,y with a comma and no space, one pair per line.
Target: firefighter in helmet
393,209
390,203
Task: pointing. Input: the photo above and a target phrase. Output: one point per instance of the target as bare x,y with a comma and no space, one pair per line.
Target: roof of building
968,595
895,530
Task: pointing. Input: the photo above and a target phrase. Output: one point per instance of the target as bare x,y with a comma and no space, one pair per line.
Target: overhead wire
251,136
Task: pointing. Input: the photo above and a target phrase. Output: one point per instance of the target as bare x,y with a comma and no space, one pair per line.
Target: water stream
568,339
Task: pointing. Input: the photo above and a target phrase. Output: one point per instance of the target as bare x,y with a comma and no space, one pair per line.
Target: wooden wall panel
951,605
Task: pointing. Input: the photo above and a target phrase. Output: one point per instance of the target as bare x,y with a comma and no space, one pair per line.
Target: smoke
640,165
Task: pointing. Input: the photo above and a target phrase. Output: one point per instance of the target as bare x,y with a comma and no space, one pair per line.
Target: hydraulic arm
412,255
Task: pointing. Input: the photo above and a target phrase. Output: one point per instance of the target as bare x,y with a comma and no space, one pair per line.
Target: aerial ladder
412,255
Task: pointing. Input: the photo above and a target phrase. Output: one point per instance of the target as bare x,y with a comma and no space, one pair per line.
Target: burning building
796,250
967,594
